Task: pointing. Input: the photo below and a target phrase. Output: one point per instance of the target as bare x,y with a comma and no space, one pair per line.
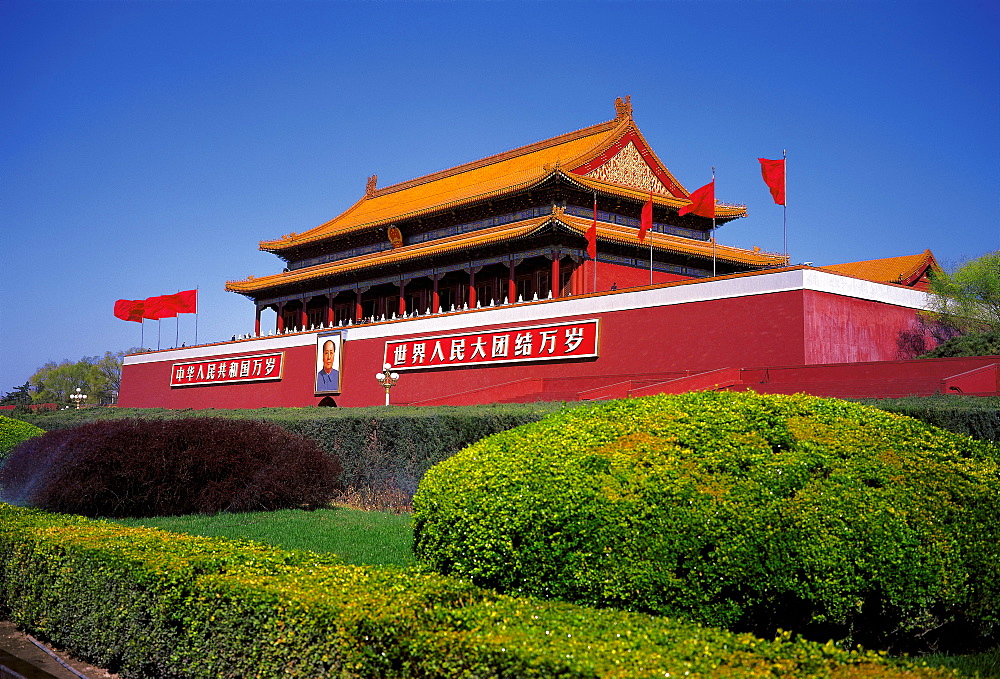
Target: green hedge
148,603
13,432
740,510
975,416
374,445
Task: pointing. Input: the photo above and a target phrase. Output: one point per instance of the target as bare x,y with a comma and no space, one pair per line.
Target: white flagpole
595,242
784,206
196,315
713,221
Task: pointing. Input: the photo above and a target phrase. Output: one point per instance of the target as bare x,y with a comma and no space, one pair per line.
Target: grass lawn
359,537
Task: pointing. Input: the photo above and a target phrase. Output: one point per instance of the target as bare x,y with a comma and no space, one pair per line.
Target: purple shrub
119,468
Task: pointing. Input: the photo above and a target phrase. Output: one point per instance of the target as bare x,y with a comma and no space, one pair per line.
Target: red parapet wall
794,317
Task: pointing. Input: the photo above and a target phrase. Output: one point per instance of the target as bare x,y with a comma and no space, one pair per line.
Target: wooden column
554,283
357,305
436,297
472,288
279,326
304,315
329,308
402,298
511,283
256,323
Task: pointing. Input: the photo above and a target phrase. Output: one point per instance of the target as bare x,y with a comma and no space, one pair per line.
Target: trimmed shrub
147,603
975,416
741,510
13,432
384,451
165,467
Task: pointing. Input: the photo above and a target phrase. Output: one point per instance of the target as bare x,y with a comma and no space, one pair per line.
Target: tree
20,396
968,300
98,377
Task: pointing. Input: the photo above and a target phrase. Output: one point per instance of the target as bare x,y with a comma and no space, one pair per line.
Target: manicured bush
164,467
753,512
147,603
975,416
13,432
384,452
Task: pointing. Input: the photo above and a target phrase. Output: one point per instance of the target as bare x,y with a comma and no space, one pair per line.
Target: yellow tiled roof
669,243
495,234
902,270
605,232
722,210
491,177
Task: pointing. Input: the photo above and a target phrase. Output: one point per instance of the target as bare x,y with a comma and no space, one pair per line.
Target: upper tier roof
508,232
909,270
584,155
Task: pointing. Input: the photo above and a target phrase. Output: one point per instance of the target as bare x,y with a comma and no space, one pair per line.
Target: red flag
157,308
129,309
773,172
182,302
592,235
646,221
702,201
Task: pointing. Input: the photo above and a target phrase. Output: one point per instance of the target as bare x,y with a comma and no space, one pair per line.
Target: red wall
843,329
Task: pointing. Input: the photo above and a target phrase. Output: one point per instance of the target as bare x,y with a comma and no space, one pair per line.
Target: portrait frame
323,383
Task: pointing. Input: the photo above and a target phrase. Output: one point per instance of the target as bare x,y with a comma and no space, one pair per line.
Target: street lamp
387,380
79,398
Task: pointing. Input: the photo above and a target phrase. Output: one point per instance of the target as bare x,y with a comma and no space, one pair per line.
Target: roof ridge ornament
370,186
623,107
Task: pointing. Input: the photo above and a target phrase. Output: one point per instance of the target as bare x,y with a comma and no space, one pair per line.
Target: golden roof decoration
579,152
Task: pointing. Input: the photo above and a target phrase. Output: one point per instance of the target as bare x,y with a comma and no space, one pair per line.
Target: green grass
975,665
359,537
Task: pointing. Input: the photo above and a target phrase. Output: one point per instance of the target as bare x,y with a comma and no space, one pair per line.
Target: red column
280,326
472,289
554,283
511,286
303,316
357,306
435,298
256,323
329,308
402,298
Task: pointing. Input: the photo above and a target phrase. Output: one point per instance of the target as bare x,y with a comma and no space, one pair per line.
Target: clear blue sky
146,147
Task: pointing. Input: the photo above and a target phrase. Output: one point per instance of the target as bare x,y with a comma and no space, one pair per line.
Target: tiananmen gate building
476,286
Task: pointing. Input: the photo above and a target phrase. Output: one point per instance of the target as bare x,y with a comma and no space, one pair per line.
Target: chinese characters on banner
509,345
227,370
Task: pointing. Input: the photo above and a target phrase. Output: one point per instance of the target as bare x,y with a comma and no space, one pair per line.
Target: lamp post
78,398
387,379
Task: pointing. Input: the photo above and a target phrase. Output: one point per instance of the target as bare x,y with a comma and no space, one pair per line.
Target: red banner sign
574,340
227,370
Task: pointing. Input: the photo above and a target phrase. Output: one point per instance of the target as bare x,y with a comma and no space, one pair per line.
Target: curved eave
623,235
530,181
506,232
723,211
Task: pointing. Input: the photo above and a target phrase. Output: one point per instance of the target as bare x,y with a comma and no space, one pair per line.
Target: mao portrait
328,363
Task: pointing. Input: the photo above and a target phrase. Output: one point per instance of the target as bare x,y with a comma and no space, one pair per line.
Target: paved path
20,655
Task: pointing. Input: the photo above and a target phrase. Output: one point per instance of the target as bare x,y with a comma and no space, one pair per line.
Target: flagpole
651,236
595,242
157,334
713,221
196,315
784,205
142,334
